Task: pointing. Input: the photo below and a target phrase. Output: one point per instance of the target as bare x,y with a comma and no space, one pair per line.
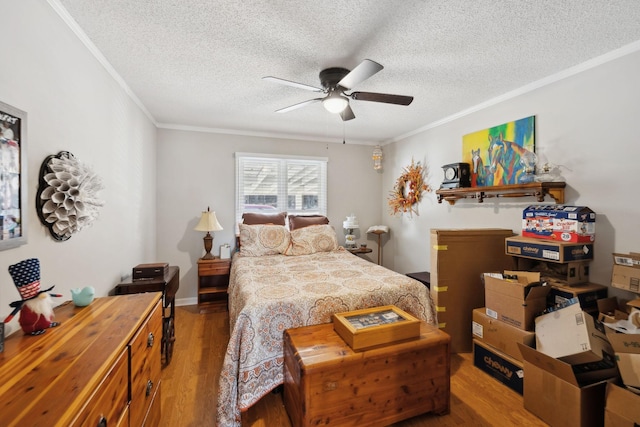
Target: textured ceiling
199,63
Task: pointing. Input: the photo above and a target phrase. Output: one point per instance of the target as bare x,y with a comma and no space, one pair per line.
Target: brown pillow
254,218
301,221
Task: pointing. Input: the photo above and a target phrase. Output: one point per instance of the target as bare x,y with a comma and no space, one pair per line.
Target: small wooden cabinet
100,367
213,283
168,285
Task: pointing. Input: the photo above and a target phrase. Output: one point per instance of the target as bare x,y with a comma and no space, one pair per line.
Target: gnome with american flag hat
36,306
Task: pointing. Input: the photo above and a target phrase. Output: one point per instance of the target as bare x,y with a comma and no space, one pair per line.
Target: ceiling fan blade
294,84
298,105
382,97
347,114
362,72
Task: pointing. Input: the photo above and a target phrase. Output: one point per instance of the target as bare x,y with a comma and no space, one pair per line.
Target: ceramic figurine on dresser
83,297
36,306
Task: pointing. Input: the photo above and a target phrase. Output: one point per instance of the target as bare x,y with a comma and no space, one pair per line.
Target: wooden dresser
100,367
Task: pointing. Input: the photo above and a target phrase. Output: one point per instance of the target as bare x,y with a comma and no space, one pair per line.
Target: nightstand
213,282
422,276
360,250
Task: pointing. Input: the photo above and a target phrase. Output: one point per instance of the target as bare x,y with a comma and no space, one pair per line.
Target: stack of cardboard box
623,400
556,247
563,372
505,321
558,241
542,331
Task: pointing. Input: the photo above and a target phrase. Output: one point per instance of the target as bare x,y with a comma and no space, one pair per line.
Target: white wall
196,170
587,122
74,105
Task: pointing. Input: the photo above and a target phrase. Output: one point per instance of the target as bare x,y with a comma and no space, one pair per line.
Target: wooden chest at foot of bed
326,383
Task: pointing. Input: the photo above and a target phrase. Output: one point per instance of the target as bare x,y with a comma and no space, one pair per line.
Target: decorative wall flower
67,198
408,189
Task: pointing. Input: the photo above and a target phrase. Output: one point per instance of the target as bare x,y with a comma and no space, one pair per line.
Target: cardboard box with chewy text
548,250
500,335
516,302
497,364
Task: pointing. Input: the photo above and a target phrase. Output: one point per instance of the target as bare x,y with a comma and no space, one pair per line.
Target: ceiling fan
335,84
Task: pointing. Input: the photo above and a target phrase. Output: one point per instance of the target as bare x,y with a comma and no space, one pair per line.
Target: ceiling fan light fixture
335,103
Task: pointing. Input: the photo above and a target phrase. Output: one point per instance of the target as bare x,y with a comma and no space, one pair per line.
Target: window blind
292,184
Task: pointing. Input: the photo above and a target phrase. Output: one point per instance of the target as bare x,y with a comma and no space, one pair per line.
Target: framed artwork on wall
13,176
501,155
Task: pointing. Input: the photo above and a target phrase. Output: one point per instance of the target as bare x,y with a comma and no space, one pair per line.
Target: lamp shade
335,103
208,222
351,223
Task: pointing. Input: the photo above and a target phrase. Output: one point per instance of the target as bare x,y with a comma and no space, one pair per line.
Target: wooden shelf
212,290
534,189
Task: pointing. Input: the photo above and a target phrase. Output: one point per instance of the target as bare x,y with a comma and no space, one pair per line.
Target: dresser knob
150,340
149,387
102,422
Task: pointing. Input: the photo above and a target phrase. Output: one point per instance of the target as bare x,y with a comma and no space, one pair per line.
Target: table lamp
208,222
350,224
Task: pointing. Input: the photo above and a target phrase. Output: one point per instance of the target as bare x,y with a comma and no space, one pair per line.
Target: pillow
253,218
262,239
312,239
300,221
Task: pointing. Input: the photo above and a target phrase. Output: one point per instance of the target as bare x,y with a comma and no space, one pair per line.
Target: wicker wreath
408,190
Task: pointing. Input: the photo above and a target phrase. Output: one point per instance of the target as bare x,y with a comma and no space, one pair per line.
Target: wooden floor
190,382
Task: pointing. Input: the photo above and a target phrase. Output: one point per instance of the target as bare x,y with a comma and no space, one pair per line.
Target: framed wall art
13,176
501,155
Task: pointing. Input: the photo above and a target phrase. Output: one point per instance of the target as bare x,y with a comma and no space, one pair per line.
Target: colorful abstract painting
501,155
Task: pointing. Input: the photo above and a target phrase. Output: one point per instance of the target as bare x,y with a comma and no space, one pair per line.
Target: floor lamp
379,230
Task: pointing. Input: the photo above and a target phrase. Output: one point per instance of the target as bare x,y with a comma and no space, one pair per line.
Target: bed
282,279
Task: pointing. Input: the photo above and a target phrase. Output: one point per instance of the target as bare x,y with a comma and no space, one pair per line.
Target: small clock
456,175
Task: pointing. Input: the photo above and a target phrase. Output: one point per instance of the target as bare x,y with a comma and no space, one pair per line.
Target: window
297,185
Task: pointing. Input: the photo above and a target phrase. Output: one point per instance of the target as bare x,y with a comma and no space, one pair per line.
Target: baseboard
186,301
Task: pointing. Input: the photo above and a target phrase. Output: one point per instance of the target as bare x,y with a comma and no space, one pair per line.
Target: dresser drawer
154,415
214,269
145,365
124,420
110,399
